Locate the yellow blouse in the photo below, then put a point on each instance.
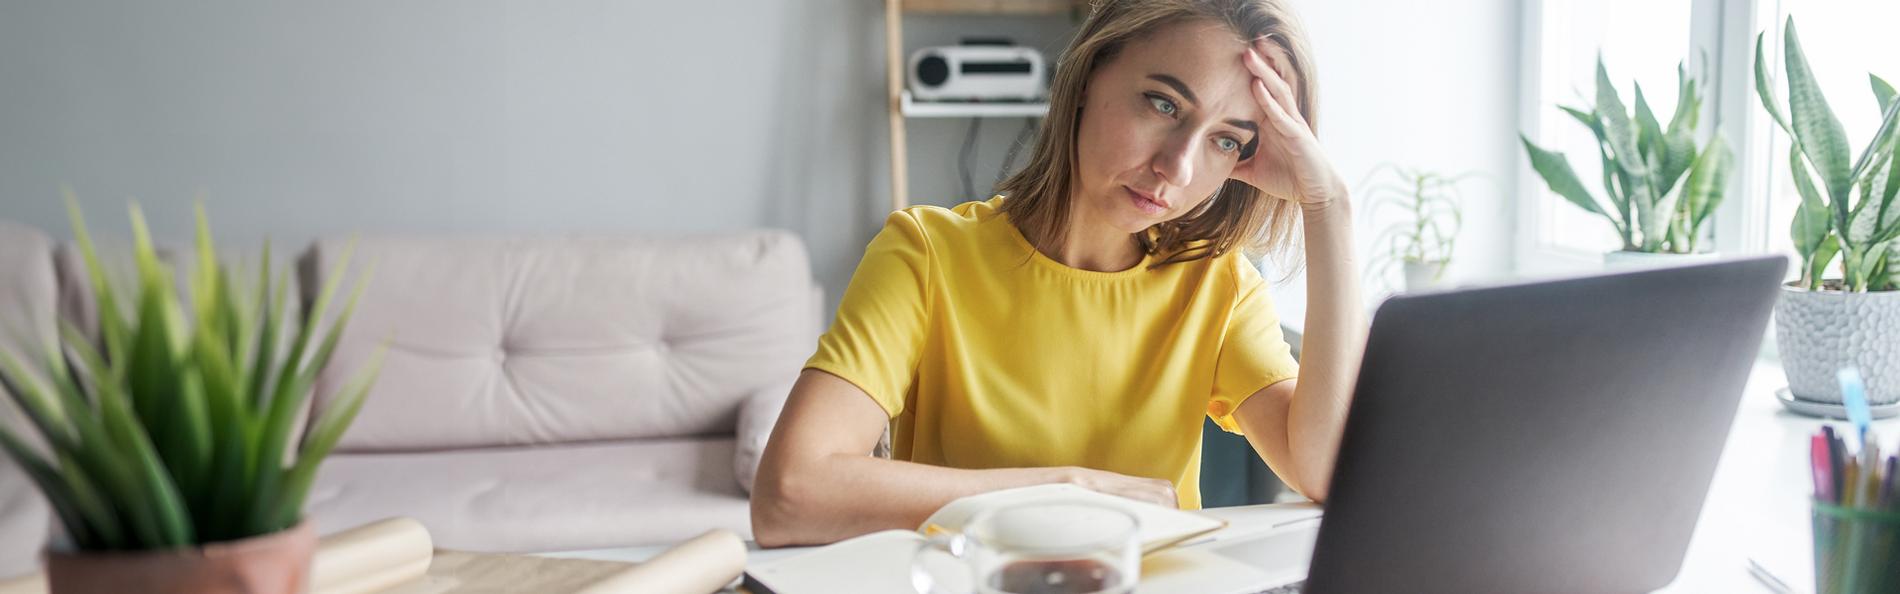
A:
(988, 354)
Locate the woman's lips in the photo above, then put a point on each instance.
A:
(1147, 203)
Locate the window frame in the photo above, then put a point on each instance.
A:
(1724, 30)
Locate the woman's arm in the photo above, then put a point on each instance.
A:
(1296, 425)
(818, 483)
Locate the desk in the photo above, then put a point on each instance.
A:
(1757, 506)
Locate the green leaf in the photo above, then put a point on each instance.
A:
(1654, 216)
(1853, 267)
(53, 485)
(1560, 177)
(1616, 126)
(90, 503)
(49, 416)
(105, 301)
(1589, 120)
(323, 437)
(1678, 142)
(1889, 211)
(1763, 86)
(1883, 92)
(1688, 113)
(293, 388)
(1882, 143)
(1649, 132)
(1823, 254)
(1821, 136)
(1811, 220)
(1707, 183)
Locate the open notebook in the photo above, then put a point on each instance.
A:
(880, 561)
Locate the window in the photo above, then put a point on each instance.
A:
(1639, 40)
(1844, 40)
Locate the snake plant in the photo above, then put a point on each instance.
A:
(1661, 187)
(174, 428)
(1852, 212)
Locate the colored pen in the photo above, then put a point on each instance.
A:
(1837, 470)
(1886, 488)
(1854, 398)
(1823, 478)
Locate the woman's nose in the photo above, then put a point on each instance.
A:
(1174, 162)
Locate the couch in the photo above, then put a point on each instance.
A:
(536, 394)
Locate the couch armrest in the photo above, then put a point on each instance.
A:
(757, 415)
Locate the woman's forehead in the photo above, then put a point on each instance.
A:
(1204, 55)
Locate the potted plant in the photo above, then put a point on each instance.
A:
(1421, 240)
(1848, 215)
(164, 447)
(1661, 186)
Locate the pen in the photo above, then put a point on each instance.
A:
(1868, 491)
(1854, 398)
(1835, 464)
(1817, 454)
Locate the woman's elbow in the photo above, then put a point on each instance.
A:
(1312, 483)
(776, 502)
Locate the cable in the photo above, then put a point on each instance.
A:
(963, 161)
(1009, 159)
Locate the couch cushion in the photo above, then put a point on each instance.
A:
(27, 305)
(529, 341)
(542, 498)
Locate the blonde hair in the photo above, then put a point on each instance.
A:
(1037, 198)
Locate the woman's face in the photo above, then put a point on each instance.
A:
(1163, 124)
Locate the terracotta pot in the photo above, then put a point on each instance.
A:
(272, 563)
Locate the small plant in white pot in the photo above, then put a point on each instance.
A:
(1426, 221)
(1848, 215)
(1661, 187)
(165, 446)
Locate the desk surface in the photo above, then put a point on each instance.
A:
(1757, 507)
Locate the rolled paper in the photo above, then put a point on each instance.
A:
(703, 565)
(371, 558)
(27, 584)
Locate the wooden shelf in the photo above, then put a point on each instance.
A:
(1001, 7)
(899, 105)
(959, 109)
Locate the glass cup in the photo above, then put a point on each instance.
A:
(1855, 549)
(1039, 548)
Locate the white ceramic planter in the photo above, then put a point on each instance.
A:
(1820, 332)
(1640, 260)
(1421, 276)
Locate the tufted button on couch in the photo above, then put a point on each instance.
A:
(536, 394)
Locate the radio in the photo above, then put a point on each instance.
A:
(977, 70)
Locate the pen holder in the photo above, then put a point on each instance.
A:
(1855, 549)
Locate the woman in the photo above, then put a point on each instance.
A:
(1076, 328)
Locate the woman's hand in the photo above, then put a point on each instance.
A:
(1156, 491)
(1289, 164)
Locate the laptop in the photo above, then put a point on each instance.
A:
(1553, 436)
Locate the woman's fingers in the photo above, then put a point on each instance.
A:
(1257, 63)
(1286, 126)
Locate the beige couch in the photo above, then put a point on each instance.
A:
(537, 393)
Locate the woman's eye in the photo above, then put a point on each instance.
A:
(1227, 145)
(1162, 104)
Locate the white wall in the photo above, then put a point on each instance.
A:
(1428, 85)
(303, 119)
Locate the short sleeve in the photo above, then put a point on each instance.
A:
(1254, 353)
(878, 335)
